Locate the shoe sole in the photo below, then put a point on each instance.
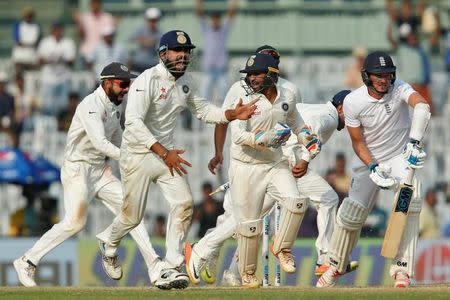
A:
(103, 264)
(176, 284)
(349, 269)
(17, 268)
(187, 256)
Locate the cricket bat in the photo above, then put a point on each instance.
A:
(221, 188)
(399, 215)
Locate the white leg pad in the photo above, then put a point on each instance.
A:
(350, 218)
(248, 239)
(291, 217)
(405, 259)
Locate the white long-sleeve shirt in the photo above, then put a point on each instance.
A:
(323, 120)
(95, 130)
(155, 101)
(266, 116)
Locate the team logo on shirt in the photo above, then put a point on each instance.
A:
(388, 108)
(285, 106)
(163, 93)
(185, 89)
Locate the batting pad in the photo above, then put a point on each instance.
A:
(350, 218)
(404, 261)
(292, 213)
(248, 239)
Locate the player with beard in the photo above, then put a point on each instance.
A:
(94, 134)
(148, 154)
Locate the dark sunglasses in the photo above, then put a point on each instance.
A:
(271, 52)
(123, 84)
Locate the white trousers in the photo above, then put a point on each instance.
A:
(365, 191)
(311, 185)
(82, 182)
(138, 172)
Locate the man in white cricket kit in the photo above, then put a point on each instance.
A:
(323, 120)
(258, 167)
(94, 134)
(148, 155)
(387, 143)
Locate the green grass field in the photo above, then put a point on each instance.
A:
(44, 293)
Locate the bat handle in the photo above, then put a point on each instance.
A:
(409, 178)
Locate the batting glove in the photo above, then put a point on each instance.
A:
(381, 175)
(414, 154)
(274, 138)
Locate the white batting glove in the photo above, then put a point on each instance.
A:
(274, 138)
(414, 154)
(305, 135)
(381, 175)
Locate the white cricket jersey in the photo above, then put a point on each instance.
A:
(95, 130)
(155, 101)
(385, 123)
(267, 115)
(323, 120)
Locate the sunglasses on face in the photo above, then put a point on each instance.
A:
(123, 84)
(270, 52)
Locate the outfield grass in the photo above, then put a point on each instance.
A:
(285, 293)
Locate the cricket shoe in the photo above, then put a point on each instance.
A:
(111, 265)
(320, 269)
(401, 280)
(229, 278)
(172, 278)
(286, 259)
(329, 278)
(208, 274)
(194, 263)
(25, 271)
(250, 281)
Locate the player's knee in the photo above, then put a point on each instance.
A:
(296, 205)
(250, 228)
(74, 225)
(352, 214)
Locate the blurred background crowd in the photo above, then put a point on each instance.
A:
(52, 51)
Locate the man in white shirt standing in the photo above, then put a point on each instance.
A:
(148, 155)
(56, 55)
(94, 134)
(387, 142)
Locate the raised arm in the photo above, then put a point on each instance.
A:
(232, 9)
(199, 9)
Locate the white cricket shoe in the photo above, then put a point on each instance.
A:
(172, 278)
(229, 278)
(25, 271)
(329, 278)
(250, 281)
(209, 272)
(286, 259)
(194, 263)
(111, 265)
(402, 280)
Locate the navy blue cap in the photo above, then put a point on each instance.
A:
(116, 70)
(267, 49)
(338, 99)
(261, 63)
(175, 39)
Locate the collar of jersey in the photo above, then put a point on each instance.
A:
(102, 95)
(163, 71)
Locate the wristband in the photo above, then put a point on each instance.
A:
(372, 166)
(306, 156)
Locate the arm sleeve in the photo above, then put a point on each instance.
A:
(137, 108)
(203, 110)
(294, 120)
(240, 135)
(405, 90)
(93, 125)
(351, 117)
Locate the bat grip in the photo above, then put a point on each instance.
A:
(409, 178)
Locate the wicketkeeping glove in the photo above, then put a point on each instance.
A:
(274, 138)
(414, 154)
(381, 175)
(314, 146)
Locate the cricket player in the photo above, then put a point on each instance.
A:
(94, 134)
(387, 142)
(323, 120)
(257, 168)
(156, 98)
